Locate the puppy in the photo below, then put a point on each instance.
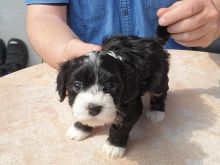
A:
(106, 87)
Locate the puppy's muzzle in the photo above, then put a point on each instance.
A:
(94, 109)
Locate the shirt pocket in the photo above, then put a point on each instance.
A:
(87, 11)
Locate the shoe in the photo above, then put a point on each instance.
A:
(16, 56)
(2, 55)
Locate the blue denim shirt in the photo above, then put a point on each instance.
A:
(92, 20)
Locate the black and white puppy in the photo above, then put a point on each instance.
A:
(106, 87)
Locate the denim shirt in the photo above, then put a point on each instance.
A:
(92, 20)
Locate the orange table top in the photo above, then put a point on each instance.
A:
(33, 122)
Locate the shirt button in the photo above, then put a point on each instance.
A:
(125, 12)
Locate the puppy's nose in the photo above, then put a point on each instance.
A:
(94, 109)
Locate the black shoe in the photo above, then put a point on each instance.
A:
(2, 55)
(16, 56)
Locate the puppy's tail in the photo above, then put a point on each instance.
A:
(162, 34)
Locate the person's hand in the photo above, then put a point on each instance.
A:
(192, 23)
(76, 48)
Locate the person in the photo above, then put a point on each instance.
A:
(63, 29)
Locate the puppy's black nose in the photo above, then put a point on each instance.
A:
(94, 109)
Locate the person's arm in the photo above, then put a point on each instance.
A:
(192, 23)
(51, 37)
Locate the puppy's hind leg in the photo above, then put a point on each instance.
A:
(156, 113)
(78, 131)
(158, 94)
(157, 101)
(157, 107)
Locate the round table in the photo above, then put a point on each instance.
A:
(33, 122)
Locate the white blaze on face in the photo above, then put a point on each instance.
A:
(94, 95)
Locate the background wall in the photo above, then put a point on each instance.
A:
(12, 25)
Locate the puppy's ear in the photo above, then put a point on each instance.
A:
(61, 85)
(62, 79)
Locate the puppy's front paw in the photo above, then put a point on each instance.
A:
(75, 133)
(113, 151)
(155, 116)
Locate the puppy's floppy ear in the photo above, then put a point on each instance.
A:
(62, 79)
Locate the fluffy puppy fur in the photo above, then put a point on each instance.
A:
(106, 87)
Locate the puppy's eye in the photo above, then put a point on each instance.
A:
(77, 85)
(111, 87)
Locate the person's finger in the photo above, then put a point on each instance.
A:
(161, 11)
(201, 42)
(84, 48)
(180, 12)
(77, 48)
(192, 35)
(93, 47)
(188, 24)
